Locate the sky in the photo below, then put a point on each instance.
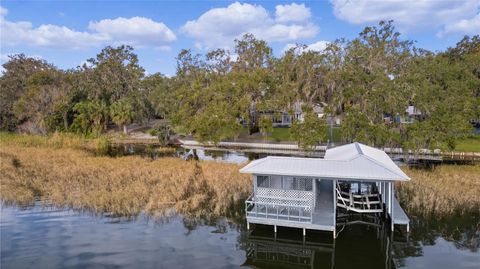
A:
(67, 33)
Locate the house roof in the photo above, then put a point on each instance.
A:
(349, 162)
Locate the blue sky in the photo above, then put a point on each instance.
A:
(67, 33)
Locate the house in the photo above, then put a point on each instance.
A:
(412, 114)
(317, 109)
(309, 193)
(285, 118)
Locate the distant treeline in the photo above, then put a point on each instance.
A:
(213, 96)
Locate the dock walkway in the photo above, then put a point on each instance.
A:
(399, 216)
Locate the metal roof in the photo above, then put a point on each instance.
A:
(353, 161)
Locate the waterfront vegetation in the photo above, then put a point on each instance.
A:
(366, 83)
(445, 190)
(124, 186)
(61, 169)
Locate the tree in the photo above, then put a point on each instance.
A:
(252, 74)
(374, 65)
(122, 113)
(309, 132)
(160, 94)
(13, 85)
(113, 74)
(266, 125)
(445, 90)
(83, 121)
(216, 123)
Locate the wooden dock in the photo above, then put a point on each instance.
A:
(408, 156)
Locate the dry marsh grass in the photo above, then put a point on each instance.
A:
(56, 140)
(445, 190)
(58, 169)
(123, 186)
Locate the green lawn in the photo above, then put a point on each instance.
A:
(283, 134)
(280, 134)
(469, 144)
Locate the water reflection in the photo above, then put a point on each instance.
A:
(358, 246)
(49, 237)
(288, 249)
(229, 156)
(59, 238)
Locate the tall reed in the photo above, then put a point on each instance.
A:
(122, 186)
(444, 190)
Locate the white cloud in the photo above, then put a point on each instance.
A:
(292, 12)
(468, 26)
(318, 46)
(218, 27)
(3, 12)
(135, 31)
(408, 14)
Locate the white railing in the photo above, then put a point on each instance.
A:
(278, 211)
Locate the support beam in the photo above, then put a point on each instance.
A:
(392, 189)
(304, 232)
(275, 228)
(248, 225)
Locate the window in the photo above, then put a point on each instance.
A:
(262, 182)
(285, 182)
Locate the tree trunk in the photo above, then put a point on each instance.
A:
(65, 121)
(125, 129)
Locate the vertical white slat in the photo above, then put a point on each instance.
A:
(390, 200)
(334, 185)
(254, 179)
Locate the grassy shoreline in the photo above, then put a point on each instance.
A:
(123, 186)
(60, 170)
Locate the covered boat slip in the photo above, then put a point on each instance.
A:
(306, 192)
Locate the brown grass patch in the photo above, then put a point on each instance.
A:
(122, 186)
(445, 190)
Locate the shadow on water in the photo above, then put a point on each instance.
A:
(358, 245)
(363, 246)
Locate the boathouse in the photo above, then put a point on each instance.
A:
(310, 193)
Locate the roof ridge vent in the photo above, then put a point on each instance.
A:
(359, 149)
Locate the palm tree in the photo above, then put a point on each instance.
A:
(122, 113)
(99, 115)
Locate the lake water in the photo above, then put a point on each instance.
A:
(229, 156)
(48, 237)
